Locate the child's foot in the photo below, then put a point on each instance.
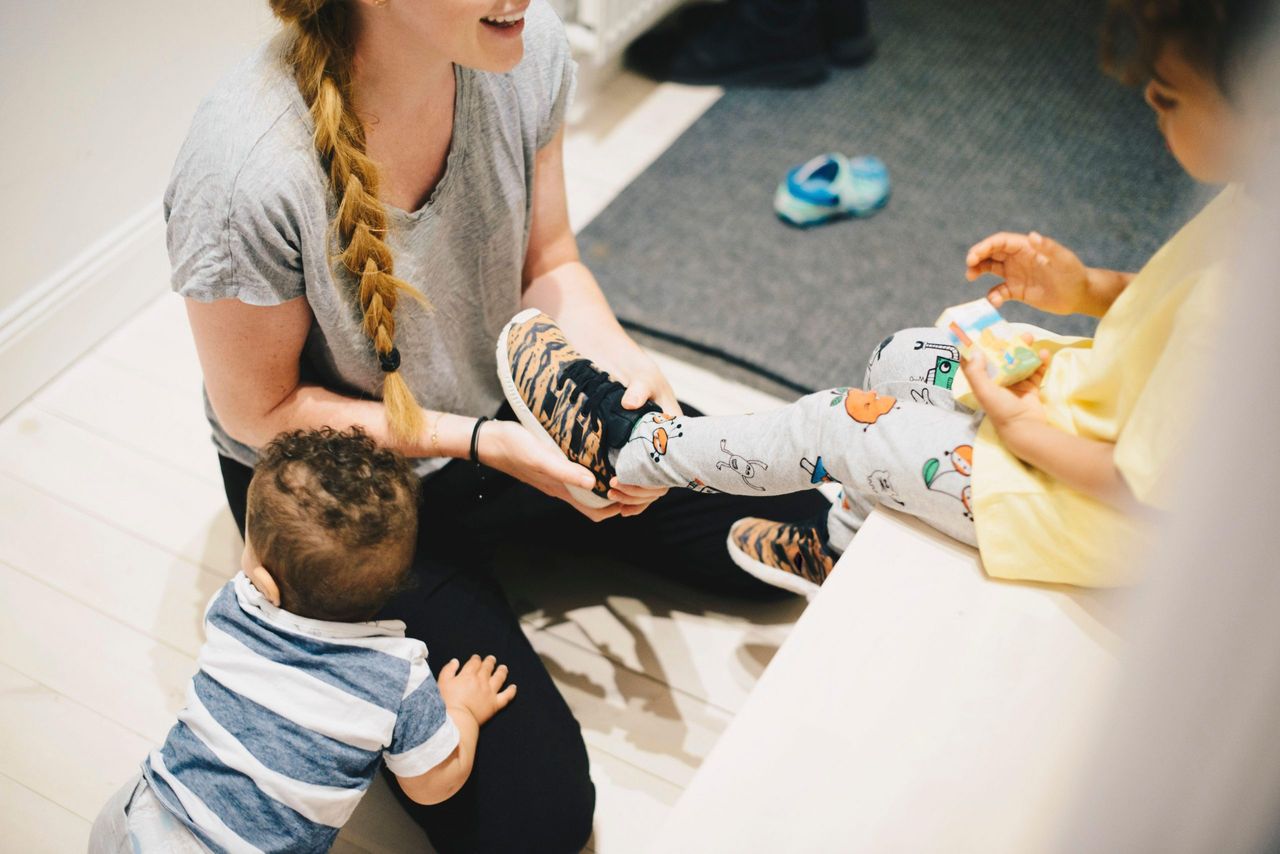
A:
(558, 394)
(795, 557)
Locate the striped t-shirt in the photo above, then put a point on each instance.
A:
(287, 720)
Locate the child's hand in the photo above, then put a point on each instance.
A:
(476, 686)
(1036, 270)
(1013, 408)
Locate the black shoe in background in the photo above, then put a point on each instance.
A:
(847, 31)
(738, 43)
(778, 43)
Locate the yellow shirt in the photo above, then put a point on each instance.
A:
(1136, 384)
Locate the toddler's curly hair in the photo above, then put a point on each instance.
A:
(334, 519)
(1213, 35)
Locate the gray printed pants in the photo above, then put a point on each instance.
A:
(901, 441)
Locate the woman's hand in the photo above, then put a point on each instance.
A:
(1014, 409)
(645, 381)
(511, 449)
(633, 500)
(1036, 270)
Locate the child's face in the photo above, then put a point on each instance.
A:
(1201, 127)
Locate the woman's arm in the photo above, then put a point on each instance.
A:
(251, 357)
(557, 282)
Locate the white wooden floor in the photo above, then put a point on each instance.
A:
(114, 532)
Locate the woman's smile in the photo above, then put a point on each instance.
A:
(509, 23)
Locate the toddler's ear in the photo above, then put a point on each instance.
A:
(266, 585)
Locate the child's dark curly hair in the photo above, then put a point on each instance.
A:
(1212, 35)
(334, 519)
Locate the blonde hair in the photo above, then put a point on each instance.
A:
(319, 52)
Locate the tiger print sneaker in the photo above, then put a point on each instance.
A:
(561, 396)
(795, 557)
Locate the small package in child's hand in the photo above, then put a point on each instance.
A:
(978, 324)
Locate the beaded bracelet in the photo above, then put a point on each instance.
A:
(435, 437)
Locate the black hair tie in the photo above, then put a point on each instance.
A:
(475, 438)
(390, 360)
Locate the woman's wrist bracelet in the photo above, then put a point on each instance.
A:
(435, 435)
(475, 438)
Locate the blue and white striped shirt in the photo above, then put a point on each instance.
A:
(287, 720)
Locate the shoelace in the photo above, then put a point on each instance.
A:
(590, 384)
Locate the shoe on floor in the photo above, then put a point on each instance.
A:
(776, 43)
(562, 397)
(795, 557)
(847, 32)
(831, 187)
(737, 43)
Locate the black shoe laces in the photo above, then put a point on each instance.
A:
(591, 385)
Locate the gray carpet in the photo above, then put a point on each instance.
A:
(990, 116)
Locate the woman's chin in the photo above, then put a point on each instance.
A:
(491, 62)
(500, 49)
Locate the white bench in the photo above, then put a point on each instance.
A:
(917, 706)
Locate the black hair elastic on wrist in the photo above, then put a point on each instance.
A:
(390, 360)
(475, 437)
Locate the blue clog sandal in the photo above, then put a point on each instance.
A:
(831, 187)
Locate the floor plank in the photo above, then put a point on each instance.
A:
(631, 805)
(137, 412)
(62, 750)
(122, 674)
(105, 568)
(170, 508)
(629, 715)
(705, 646)
(36, 825)
(629, 124)
(157, 344)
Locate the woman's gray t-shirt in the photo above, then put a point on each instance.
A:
(249, 210)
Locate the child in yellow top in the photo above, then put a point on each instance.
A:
(1049, 477)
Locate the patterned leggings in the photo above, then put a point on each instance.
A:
(903, 442)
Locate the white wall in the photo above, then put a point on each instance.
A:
(96, 99)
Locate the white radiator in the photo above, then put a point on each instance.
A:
(600, 30)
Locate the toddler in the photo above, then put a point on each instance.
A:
(299, 699)
(1050, 477)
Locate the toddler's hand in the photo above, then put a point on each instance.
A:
(1009, 409)
(476, 686)
(1036, 270)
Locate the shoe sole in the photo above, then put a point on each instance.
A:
(526, 417)
(774, 577)
(837, 216)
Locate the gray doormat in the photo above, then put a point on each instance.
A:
(990, 116)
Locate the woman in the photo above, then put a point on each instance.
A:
(356, 212)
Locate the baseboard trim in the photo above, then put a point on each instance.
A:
(66, 315)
